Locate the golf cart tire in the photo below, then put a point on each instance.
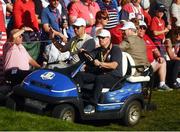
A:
(64, 112)
(15, 104)
(132, 113)
(11, 104)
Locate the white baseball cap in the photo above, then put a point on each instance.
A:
(142, 23)
(79, 22)
(128, 25)
(104, 33)
(145, 4)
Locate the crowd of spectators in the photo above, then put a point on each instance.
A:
(54, 30)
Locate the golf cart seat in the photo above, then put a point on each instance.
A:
(124, 71)
(130, 68)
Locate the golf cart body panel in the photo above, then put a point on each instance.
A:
(48, 82)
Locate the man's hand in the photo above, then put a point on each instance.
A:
(27, 29)
(51, 33)
(160, 59)
(64, 38)
(97, 62)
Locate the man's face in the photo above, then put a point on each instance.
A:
(54, 3)
(126, 33)
(136, 2)
(104, 41)
(141, 31)
(79, 30)
(18, 40)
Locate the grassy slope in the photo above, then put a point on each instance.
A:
(166, 117)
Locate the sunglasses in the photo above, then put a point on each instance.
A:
(143, 27)
(104, 18)
(76, 27)
(55, 0)
(100, 37)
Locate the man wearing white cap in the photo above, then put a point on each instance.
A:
(81, 40)
(134, 45)
(106, 70)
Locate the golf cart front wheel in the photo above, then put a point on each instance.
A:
(64, 112)
(132, 113)
(16, 103)
(11, 104)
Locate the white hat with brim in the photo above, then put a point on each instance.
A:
(79, 22)
(142, 23)
(128, 25)
(104, 33)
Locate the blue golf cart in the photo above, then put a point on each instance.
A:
(54, 90)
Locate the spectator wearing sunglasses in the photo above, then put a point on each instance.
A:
(135, 46)
(106, 70)
(158, 63)
(17, 60)
(101, 20)
(81, 41)
(111, 7)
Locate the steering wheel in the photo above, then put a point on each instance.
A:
(87, 57)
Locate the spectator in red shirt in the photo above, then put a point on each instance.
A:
(85, 9)
(132, 10)
(24, 14)
(158, 63)
(158, 28)
(3, 38)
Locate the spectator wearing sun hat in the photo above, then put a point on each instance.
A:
(134, 45)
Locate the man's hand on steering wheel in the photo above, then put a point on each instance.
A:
(97, 62)
(86, 56)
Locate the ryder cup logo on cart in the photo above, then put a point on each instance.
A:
(47, 76)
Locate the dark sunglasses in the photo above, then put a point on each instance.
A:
(143, 27)
(76, 27)
(55, 0)
(104, 18)
(100, 37)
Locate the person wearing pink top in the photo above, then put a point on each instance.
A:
(85, 9)
(16, 59)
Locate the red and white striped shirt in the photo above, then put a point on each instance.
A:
(3, 38)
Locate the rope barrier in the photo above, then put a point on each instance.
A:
(43, 41)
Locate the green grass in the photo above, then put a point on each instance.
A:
(165, 118)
